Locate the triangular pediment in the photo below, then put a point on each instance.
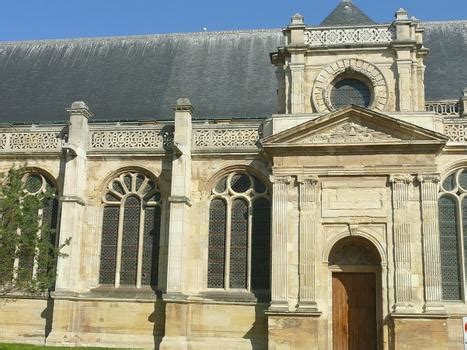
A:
(354, 126)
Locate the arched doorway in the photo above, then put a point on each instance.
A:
(355, 265)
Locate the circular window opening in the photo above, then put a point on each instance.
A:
(347, 92)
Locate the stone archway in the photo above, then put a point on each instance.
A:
(356, 294)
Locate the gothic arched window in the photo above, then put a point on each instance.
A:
(27, 260)
(130, 231)
(239, 234)
(452, 206)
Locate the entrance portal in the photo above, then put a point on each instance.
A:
(354, 263)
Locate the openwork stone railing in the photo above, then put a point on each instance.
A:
(446, 107)
(455, 130)
(131, 138)
(316, 37)
(29, 140)
(218, 138)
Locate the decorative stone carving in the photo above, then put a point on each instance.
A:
(330, 37)
(31, 141)
(455, 131)
(238, 137)
(323, 83)
(350, 132)
(157, 138)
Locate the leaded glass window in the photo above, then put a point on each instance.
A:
(130, 232)
(452, 207)
(239, 234)
(350, 91)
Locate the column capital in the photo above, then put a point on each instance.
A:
(401, 178)
(307, 179)
(430, 178)
(280, 179)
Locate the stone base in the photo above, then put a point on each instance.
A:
(183, 343)
(103, 340)
(416, 333)
(296, 331)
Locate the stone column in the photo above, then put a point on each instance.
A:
(279, 280)
(296, 48)
(180, 203)
(431, 244)
(73, 198)
(307, 238)
(402, 242)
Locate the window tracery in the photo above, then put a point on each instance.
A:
(452, 206)
(239, 234)
(130, 231)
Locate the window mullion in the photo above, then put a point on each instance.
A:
(227, 244)
(139, 268)
(249, 247)
(36, 249)
(118, 265)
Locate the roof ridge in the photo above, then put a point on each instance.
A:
(143, 36)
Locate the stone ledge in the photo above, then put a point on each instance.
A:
(425, 315)
(297, 313)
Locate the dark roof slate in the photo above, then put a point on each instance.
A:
(225, 74)
(446, 65)
(346, 14)
(140, 77)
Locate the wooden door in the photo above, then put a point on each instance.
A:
(354, 311)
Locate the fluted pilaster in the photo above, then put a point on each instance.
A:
(431, 244)
(279, 242)
(307, 238)
(402, 242)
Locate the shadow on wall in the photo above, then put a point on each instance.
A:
(158, 319)
(47, 315)
(258, 333)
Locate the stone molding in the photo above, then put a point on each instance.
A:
(321, 93)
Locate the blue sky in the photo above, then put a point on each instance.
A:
(43, 19)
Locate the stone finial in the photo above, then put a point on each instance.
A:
(79, 108)
(183, 104)
(402, 14)
(297, 19)
(347, 1)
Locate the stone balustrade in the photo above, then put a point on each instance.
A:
(31, 139)
(445, 107)
(316, 37)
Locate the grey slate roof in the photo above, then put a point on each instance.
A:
(140, 77)
(346, 14)
(446, 65)
(225, 74)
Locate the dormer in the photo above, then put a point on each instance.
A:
(350, 59)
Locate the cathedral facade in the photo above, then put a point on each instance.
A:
(272, 189)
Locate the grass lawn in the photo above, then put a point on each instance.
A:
(37, 347)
